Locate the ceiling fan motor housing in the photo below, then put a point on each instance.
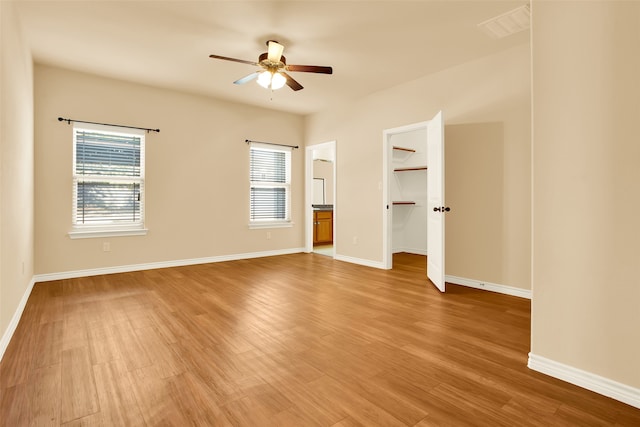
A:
(264, 61)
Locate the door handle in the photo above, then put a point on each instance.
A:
(436, 209)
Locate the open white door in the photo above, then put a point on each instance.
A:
(435, 205)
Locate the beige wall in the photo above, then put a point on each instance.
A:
(494, 89)
(324, 169)
(16, 166)
(586, 187)
(474, 177)
(197, 191)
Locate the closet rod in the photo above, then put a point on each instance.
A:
(60, 119)
(248, 141)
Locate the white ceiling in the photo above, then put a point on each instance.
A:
(371, 45)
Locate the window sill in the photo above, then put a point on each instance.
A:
(106, 232)
(270, 224)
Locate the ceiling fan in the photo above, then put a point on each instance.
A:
(274, 66)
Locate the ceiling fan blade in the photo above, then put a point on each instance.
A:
(291, 82)
(275, 51)
(310, 69)
(242, 61)
(246, 79)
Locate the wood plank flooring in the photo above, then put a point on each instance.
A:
(295, 340)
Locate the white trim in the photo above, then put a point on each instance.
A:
(308, 199)
(162, 264)
(270, 224)
(487, 286)
(13, 324)
(360, 261)
(105, 232)
(596, 383)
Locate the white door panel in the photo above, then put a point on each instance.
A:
(435, 204)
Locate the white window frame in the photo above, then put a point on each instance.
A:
(80, 231)
(272, 223)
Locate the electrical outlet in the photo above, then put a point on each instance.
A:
(268, 235)
(106, 246)
(355, 240)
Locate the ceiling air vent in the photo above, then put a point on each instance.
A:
(508, 23)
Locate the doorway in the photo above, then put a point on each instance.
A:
(320, 168)
(406, 167)
(413, 195)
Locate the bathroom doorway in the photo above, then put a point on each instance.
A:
(320, 198)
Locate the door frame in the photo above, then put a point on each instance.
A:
(387, 173)
(308, 198)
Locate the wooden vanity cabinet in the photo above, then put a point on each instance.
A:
(322, 227)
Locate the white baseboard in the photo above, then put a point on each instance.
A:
(487, 286)
(596, 383)
(162, 264)
(360, 261)
(8, 333)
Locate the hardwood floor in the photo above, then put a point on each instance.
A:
(295, 340)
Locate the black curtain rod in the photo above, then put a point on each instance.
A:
(248, 141)
(60, 119)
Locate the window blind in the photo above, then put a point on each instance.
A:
(107, 154)
(108, 178)
(270, 173)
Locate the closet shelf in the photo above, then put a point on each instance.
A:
(403, 203)
(410, 150)
(415, 168)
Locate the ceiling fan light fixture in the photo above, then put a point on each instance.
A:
(274, 69)
(264, 79)
(271, 80)
(277, 81)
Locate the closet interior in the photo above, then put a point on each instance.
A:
(409, 191)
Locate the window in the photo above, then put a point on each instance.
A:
(270, 194)
(108, 181)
